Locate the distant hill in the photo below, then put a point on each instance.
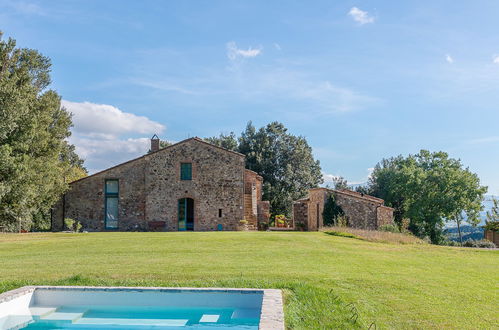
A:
(468, 232)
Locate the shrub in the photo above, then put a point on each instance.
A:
(389, 228)
(484, 244)
(73, 225)
(69, 223)
(450, 243)
(342, 221)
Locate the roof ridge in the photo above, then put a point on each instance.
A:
(153, 152)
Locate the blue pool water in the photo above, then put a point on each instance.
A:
(123, 308)
(133, 317)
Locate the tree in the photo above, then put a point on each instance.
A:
(76, 169)
(493, 213)
(429, 189)
(331, 211)
(340, 183)
(33, 132)
(283, 160)
(225, 141)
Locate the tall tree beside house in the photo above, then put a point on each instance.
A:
(34, 155)
(283, 160)
(340, 183)
(429, 189)
(227, 141)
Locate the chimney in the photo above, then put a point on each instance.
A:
(154, 143)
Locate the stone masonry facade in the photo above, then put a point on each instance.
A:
(362, 211)
(150, 189)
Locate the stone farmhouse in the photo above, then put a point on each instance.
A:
(362, 211)
(190, 185)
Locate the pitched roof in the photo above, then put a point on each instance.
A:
(353, 194)
(167, 147)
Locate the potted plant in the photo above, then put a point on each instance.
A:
(280, 220)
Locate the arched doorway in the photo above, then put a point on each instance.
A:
(185, 214)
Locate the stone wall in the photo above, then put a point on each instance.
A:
(359, 213)
(362, 211)
(85, 199)
(217, 184)
(263, 212)
(316, 201)
(252, 196)
(300, 215)
(385, 216)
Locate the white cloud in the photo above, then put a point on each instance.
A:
(101, 134)
(106, 120)
(495, 59)
(360, 16)
(234, 53)
(329, 178)
(277, 46)
(449, 59)
(120, 149)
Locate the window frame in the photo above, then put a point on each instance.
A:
(183, 173)
(111, 195)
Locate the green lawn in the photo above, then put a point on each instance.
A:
(395, 286)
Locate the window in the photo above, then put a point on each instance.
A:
(111, 203)
(219, 213)
(186, 171)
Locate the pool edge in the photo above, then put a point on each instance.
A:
(271, 316)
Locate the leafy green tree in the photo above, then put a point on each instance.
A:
(340, 183)
(331, 211)
(283, 160)
(387, 183)
(33, 132)
(493, 213)
(429, 189)
(228, 141)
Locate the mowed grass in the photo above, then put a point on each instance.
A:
(329, 282)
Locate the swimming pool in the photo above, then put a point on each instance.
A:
(52, 307)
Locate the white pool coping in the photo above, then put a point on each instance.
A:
(271, 316)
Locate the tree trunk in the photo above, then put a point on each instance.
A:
(459, 231)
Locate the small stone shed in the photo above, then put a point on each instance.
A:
(362, 211)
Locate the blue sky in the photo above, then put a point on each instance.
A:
(361, 80)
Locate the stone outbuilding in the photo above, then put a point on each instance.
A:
(190, 185)
(362, 211)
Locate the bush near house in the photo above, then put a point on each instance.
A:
(483, 243)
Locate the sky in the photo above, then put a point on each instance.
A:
(361, 80)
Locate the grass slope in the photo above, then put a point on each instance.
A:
(395, 286)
